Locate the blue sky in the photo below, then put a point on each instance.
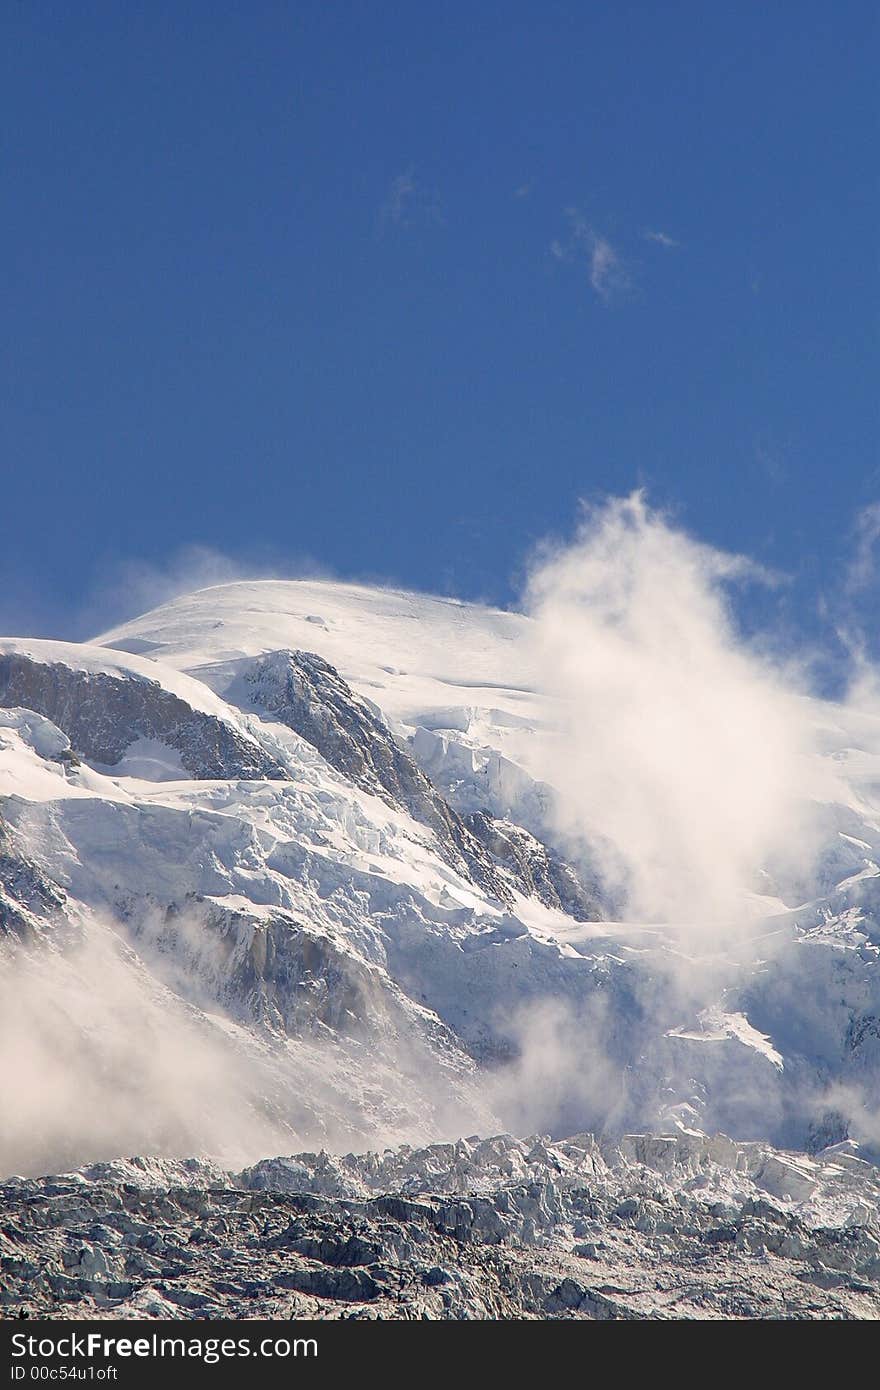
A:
(387, 288)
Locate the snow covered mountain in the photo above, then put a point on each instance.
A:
(281, 869)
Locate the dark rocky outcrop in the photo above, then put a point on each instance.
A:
(305, 693)
(538, 870)
(103, 715)
(28, 900)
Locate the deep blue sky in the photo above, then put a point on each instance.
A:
(313, 280)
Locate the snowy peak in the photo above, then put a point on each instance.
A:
(408, 653)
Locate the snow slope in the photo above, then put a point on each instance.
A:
(411, 653)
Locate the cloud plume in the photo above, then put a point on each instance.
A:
(684, 762)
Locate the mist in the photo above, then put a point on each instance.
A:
(562, 1079)
(685, 759)
(114, 1043)
(99, 1062)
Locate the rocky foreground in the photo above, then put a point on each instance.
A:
(654, 1227)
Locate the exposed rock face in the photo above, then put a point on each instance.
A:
(499, 1228)
(28, 900)
(305, 693)
(277, 972)
(542, 873)
(103, 715)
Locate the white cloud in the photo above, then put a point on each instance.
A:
(606, 271)
(662, 239)
(683, 766)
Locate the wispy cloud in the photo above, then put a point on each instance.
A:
(863, 565)
(523, 191)
(409, 202)
(400, 195)
(771, 458)
(663, 239)
(847, 608)
(606, 271)
(124, 587)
